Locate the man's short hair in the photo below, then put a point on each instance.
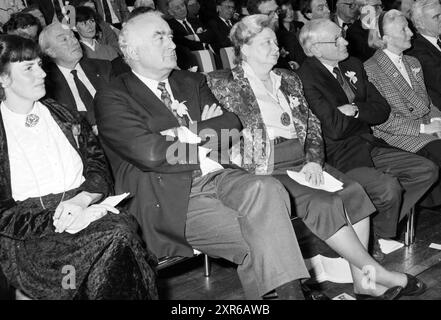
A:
(310, 32)
(253, 6)
(127, 43)
(418, 9)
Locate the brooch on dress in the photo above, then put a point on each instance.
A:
(31, 120)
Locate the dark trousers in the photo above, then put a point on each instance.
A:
(432, 151)
(246, 219)
(395, 184)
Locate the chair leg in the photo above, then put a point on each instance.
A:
(409, 236)
(207, 265)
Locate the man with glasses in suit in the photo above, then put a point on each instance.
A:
(346, 13)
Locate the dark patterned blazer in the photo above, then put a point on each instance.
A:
(348, 140)
(234, 92)
(410, 106)
(430, 59)
(96, 171)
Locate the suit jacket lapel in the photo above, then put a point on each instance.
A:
(91, 73)
(60, 82)
(249, 100)
(327, 79)
(398, 80)
(428, 45)
(146, 98)
(181, 92)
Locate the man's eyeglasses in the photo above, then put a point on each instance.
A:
(272, 13)
(342, 35)
(352, 5)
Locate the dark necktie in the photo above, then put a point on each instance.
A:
(345, 25)
(107, 14)
(229, 24)
(438, 42)
(166, 98)
(85, 96)
(344, 84)
(187, 27)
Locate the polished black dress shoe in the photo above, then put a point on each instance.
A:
(414, 286)
(390, 294)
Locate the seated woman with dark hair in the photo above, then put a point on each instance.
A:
(281, 133)
(24, 25)
(56, 241)
(88, 31)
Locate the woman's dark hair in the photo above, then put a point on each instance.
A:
(85, 14)
(15, 49)
(20, 21)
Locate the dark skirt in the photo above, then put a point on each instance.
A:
(324, 213)
(107, 260)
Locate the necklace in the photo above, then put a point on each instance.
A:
(32, 169)
(285, 119)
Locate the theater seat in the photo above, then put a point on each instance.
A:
(227, 57)
(205, 60)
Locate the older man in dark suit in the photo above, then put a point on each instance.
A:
(221, 26)
(187, 32)
(347, 104)
(184, 200)
(71, 79)
(426, 45)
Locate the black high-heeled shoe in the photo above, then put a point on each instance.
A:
(390, 294)
(414, 286)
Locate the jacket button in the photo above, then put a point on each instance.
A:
(411, 109)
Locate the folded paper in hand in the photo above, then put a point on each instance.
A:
(331, 184)
(88, 219)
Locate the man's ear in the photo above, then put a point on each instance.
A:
(50, 52)
(315, 51)
(308, 15)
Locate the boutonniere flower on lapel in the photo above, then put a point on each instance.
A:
(181, 109)
(293, 102)
(76, 131)
(415, 70)
(351, 76)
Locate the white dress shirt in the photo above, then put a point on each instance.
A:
(191, 28)
(228, 23)
(153, 85)
(271, 104)
(50, 163)
(73, 88)
(397, 60)
(432, 40)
